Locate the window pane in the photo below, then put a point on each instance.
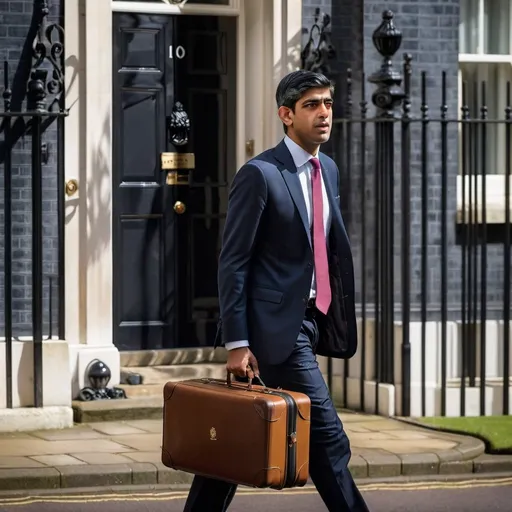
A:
(495, 77)
(497, 27)
(468, 26)
(209, 2)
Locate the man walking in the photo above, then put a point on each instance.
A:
(286, 284)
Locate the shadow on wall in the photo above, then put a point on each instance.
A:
(293, 58)
(98, 196)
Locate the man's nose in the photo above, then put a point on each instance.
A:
(323, 111)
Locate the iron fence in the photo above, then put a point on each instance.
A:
(32, 102)
(431, 240)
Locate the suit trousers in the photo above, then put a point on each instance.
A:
(329, 445)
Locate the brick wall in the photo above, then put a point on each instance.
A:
(430, 35)
(15, 17)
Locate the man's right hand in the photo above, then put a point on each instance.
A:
(242, 363)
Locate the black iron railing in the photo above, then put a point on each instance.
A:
(414, 187)
(32, 102)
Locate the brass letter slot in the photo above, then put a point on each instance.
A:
(171, 161)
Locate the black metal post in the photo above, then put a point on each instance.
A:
(506, 257)
(36, 95)
(8, 238)
(406, 239)
(444, 239)
(348, 152)
(424, 236)
(483, 259)
(464, 291)
(472, 253)
(50, 307)
(387, 97)
(61, 206)
(364, 109)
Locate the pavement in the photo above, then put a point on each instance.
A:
(127, 453)
(476, 495)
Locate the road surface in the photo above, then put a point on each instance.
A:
(476, 495)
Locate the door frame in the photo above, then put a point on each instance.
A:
(88, 134)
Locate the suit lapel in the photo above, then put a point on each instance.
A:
(291, 178)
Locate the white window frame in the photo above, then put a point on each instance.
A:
(163, 7)
(495, 183)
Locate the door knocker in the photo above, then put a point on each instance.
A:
(178, 125)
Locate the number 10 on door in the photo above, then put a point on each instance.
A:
(179, 52)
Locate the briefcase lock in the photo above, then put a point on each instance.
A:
(292, 438)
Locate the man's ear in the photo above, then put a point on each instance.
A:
(286, 115)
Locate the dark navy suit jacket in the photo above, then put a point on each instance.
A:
(266, 262)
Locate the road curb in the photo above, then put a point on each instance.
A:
(398, 483)
(108, 476)
(489, 463)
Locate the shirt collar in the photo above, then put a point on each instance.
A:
(300, 156)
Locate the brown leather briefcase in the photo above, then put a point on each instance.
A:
(240, 433)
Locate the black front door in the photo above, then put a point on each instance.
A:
(174, 92)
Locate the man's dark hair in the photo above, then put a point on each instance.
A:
(295, 84)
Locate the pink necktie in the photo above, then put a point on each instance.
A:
(323, 287)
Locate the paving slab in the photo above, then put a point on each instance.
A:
(112, 453)
(59, 460)
(20, 462)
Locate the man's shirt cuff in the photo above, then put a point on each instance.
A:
(230, 345)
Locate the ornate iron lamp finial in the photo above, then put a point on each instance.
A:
(315, 58)
(387, 39)
(48, 48)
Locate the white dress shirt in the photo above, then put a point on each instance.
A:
(301, 159)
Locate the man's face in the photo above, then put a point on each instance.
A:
(312, 119)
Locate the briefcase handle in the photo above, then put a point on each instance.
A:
(249, 385)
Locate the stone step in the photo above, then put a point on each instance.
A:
(149, 407)
(144, 390)
(161, 374)
(173, 356)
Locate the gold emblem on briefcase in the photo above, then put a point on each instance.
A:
(213, 434)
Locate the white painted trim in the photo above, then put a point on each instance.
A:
(55, 354)
(484, 58)
(163, 8)
(494, 198)
(273, 40)
(30, 419)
